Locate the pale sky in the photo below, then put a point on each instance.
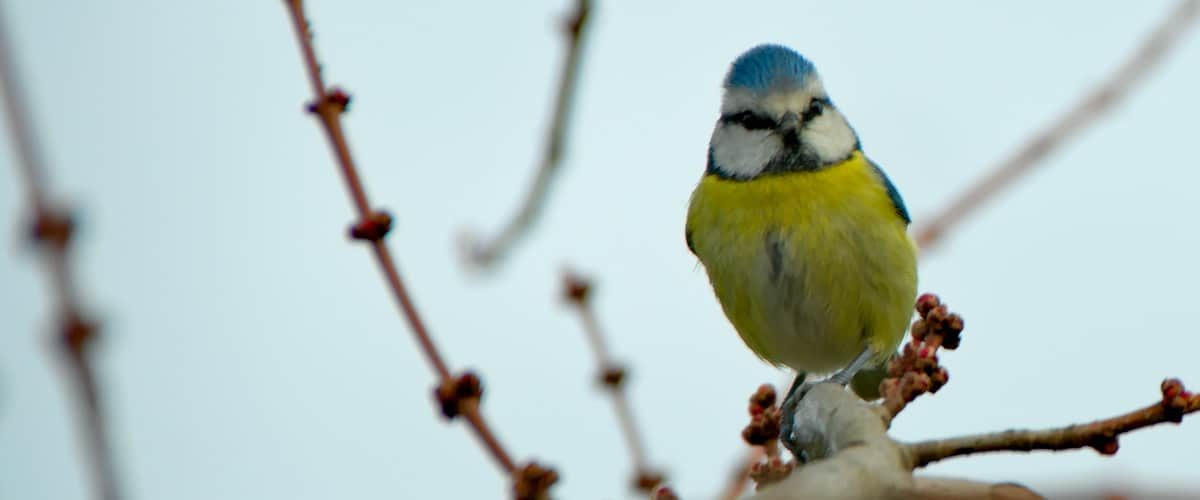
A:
(251, 351)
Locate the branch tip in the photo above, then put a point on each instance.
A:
(576, 288)
(533, 482)
(481, 254)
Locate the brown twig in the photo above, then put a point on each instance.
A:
(1084, 113)
(485, 254)
(458, 395)
(1100, 435)
(51, 231)
(577, 292)
(739, 478)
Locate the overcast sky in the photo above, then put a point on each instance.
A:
(251, 351)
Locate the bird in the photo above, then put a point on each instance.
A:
(803, 238)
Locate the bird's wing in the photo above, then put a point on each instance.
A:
(897, 201)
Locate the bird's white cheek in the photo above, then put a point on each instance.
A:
(743, 153)
(830, 137)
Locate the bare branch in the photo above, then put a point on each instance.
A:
(52, 229)
(739, 478)
(486, 254)
(577, 292)
(1084, 113)
(1100, 435)
(458, 395)
(851, 456)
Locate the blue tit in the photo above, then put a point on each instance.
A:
(803, 238)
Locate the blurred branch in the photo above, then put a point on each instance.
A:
(1084, 113)
(458, 395)
(51, 231)
(739, 478)
(577, 291)
(485, 254)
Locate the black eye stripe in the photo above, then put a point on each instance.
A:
(750, 120)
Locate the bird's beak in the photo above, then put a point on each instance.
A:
(789, 129)
(790, 122)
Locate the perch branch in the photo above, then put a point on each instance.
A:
(51, 231)
(611, 376)
(1100, 435)
(1084, 113)
(485, 254)
(457, 395)
(853, 457)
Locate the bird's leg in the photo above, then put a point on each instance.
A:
(787, 418)
(845, 375)
(787, 423)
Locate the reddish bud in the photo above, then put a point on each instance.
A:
(76, 333)
(1171, 387)
(937, 316)
(53, 229)
(576, 288)
(938, 379)
(373, 228)
(1105, 445)
(335, 100)
(927, 302)
(453, 393)
(764, 396)
(664, 493)
(612, 377)
(647, 481)
(533, 482)
(919, 330)
(763, 428)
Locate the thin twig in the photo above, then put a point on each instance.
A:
(577, 291)
(1086, 112)
(739, 478)
(51, 230)
(458, 395)
(485, 254)
(1100, 435)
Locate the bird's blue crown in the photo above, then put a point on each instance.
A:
(767, 67)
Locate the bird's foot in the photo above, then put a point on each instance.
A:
(800, 388)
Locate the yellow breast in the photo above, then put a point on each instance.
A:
(810, 267)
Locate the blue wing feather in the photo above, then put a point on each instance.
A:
(897, 201)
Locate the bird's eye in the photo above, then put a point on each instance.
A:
(750, 120)
(815, 108)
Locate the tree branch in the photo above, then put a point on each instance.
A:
(485, 254)
(457, 395)
(52, 230)
(1100, 435)
(611, 376)
(851, 455)
(1022, 161)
